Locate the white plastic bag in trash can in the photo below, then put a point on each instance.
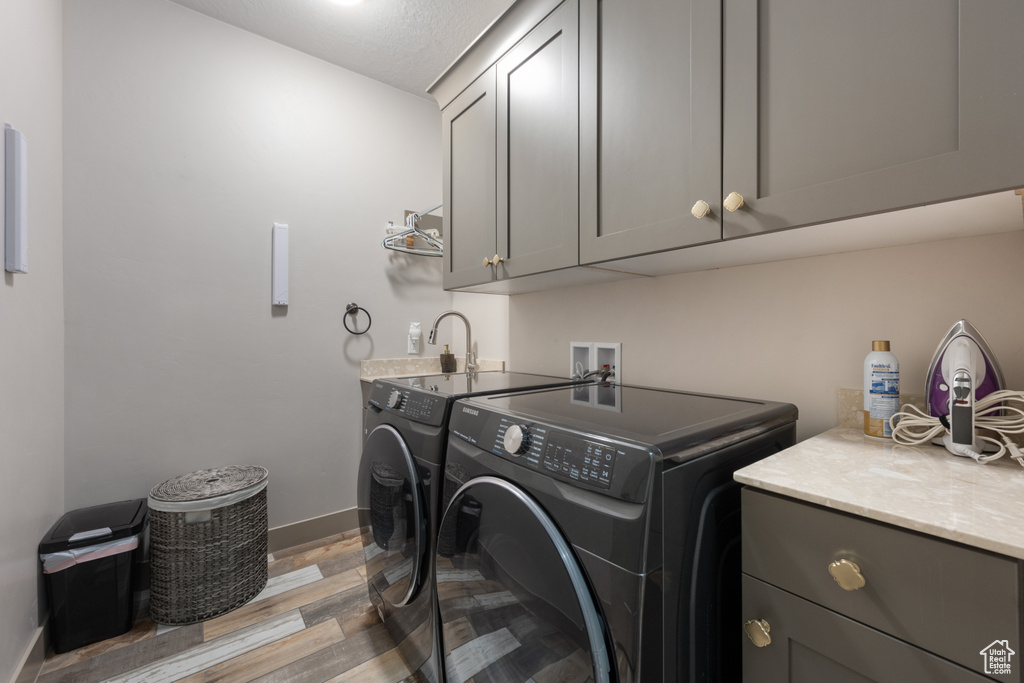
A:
(55, 562)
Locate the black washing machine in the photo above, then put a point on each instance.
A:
(405, 426)
(592, 533)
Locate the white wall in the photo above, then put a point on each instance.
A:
(185, 140)
(31, 323)
(794, 331)
(488, 317)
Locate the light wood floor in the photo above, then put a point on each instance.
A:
(313, 623)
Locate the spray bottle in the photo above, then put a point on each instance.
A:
(881, 390)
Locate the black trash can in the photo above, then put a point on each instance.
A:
(89, 559)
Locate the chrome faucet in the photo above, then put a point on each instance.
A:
(432, 337)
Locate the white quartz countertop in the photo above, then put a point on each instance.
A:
(923, 488)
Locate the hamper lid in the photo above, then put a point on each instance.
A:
(208, 489)
(96, 524)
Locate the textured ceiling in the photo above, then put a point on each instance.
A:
(404, 43)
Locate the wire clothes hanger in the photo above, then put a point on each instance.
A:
(399, 241)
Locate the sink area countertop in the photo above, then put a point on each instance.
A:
(370, 370)
(923, 488)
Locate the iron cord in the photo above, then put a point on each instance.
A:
(1001, 412)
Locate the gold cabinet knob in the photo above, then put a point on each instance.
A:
(757, 631)
(733, 201)
(496, 260)
(700, 209)
(487, 262)
(847, 575)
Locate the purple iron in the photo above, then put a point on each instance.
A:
(962, 371)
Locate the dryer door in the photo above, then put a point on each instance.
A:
(515, 602)
(395, 548)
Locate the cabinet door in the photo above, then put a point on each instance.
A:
(810, 644)
(650, 119)
(538, 149)
(835, 109)
(468, 149)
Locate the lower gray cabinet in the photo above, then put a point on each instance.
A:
(810, 644)
(839, 594)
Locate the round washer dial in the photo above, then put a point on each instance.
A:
(517, 439)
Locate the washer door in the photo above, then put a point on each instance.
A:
(395, 549)
(515, 603)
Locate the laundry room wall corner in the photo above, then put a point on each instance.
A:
(178, 163)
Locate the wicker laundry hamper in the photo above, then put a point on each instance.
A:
(208, 543)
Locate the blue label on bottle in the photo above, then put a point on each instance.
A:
(884, 380)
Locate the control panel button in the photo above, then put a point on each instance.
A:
(517, 439)
(580, 460)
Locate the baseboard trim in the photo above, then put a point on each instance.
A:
(31, 664)
(313, 529)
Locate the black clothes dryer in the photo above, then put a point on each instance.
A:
(405, 426)
(592, 533)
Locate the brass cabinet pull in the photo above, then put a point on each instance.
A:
(733, 201)
(487, 262)
(496, 260)
(700, 209)
(847, 575)
(757, 631)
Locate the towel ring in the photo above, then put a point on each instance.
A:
(353, 310)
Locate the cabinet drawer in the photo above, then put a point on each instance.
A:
(941, 596)
(812, 644)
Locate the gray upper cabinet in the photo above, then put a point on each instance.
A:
(587, 132)
(538, 148)
(511, 159)
(650, 92)
(468, 141)
(834, 109)
(818, 111)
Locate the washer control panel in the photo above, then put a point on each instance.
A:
(614, 468)
(412, 404)
(581, 460)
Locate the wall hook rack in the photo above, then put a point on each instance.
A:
(405, 240)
